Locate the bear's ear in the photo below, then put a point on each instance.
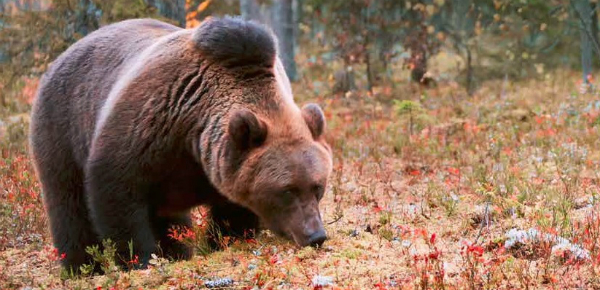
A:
(314, 118)
(246, 130)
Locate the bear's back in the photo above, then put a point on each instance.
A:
(75, 88)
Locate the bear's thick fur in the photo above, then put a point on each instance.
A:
(140, 121)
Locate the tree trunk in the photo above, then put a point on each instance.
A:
(297, 19)
(368, 65)
(585, 12)
(283, 26)
(469, 81)
(3, 56)
(86, 20)
(172, 9)
(249, 10)
(344, 80)
(594, 5)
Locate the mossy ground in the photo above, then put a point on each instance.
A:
(427, 210)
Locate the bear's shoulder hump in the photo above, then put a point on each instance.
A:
(236, 41)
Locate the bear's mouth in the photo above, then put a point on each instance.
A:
(302, 236)
(302, 229)
(315, 239)
(295, 239)
(277, 230)
(283, 233)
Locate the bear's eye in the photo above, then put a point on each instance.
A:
(319, 191)
(287, 197)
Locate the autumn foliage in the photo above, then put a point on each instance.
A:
(491, 184)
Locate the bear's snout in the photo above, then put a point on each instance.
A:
(313, 233)
(318, 238)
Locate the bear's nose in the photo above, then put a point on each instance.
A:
(317, 239)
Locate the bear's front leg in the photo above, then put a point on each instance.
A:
(117, 199)
(232, 220)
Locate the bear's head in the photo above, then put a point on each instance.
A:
(273, 158)
(283, 171)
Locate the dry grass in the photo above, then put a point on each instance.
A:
(429, 210)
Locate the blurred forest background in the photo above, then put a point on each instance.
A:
(342, 45)
(466, 140)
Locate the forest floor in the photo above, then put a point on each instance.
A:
(498, 190)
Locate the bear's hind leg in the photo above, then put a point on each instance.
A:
(229, 219)
(169, 246)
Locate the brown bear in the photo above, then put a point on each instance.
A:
(140, 121)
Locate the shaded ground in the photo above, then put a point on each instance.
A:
(427, 210)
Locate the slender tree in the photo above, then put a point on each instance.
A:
(281, 18)
(594, 6)
(249, 10)
(172, 9)
(283, 25)
(584, 13)
(86, 19)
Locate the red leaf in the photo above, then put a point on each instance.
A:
(377, 208)
(434, 255)
(415, 172)
(454, 170)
